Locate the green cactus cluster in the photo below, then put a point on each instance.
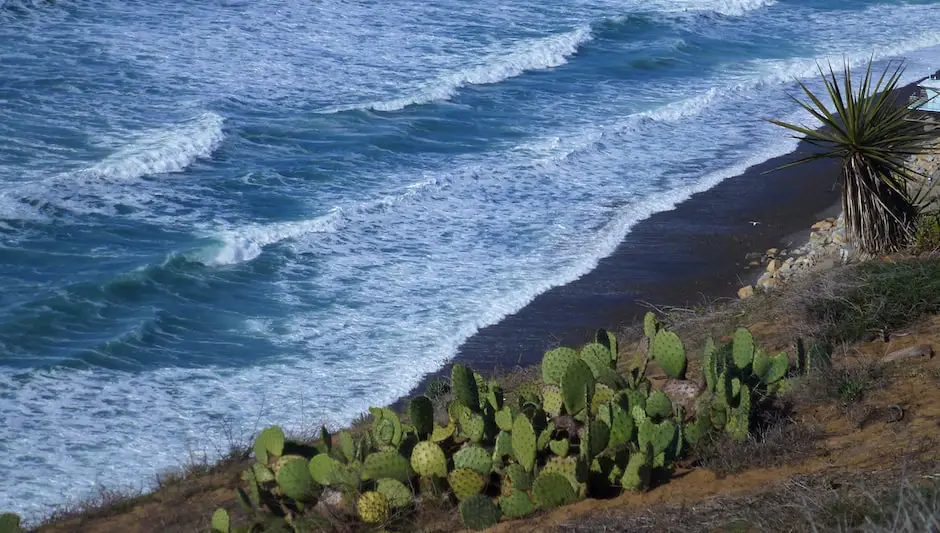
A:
(584, 430)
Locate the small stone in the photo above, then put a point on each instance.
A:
(753, 256)
(746, 292)
(767, 283)
(772, 252)
(754, 263)
(774, 265)
(823, 225)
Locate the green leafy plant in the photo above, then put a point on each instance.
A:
(866, 128)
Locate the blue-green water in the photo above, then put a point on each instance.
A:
(216, 215)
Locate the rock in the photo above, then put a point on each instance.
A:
(754, 263)
(768, 283)
(683, 392)
(746, 292)
(822, 225)
(772, 252)
(753, 256)
(774, 265)
(921, 350)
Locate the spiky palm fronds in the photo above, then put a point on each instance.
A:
(867, 129)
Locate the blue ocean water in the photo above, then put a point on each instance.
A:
(222, 214)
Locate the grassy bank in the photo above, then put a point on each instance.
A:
(853, 446)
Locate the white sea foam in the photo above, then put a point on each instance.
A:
(162, 151)
(116, 179)
(517, 58)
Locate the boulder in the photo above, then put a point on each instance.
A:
(746, 291)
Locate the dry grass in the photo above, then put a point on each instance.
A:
(779, 444)
(875, 502)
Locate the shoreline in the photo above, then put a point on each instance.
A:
(696, 251)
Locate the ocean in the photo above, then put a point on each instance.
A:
(225, 214)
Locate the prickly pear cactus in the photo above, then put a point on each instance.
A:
(397, 494)
(650, 326)
(779, 366)
(387, 464)
(669, 354)
(555, 364)
(552, 401)
(269, 442)
(373, 508)
(658, 405)
(742, 352)
(294, 480)
(221, 523)
(578, 379)
(421, 412)
(428, 459)
(442, 433)
(475, 458)
(464, 386)
(517, 504)
(622, 426)
(552, 490)
(596, 354)
(560, 447)
(465, 482)
(710, 365)
(479, 512)
(504, 418)
(609, 341)
(503, 446)
(637, 474)
(523, 442)
(321, 468)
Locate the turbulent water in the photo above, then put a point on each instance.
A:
(216, 215)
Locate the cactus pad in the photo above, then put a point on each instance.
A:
(622, 426)
(474, 458)
(602, 395)
(559, 447)
(669, 354)
(573, 469)
(464, 386)
(552, 490)
(472, 425)
(269, 442)
(465, 482)
(660, 435)
(650, 325)
(598, 437)
(577, 379)
(517, 504)
(479, 512)
(545, 437)
(373, 508)
(779, 365)
(658, 405)
(742, 352)
(221, 523)
(346, 446)
(551, 399)
(710, 365)
(442, 433)
(504, 419)
(637, 474)
(502, 446)
(595, 354)
(294, 480)
(555, 364)
(428, 459)
(321, 468)
(397, 494)
(387, 464)
(421, 412)
(523, 442)
(518, 477)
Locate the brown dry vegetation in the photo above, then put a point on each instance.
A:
(837, 454)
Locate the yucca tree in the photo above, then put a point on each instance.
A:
(867, 129)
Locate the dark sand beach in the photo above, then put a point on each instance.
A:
(682, 257)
